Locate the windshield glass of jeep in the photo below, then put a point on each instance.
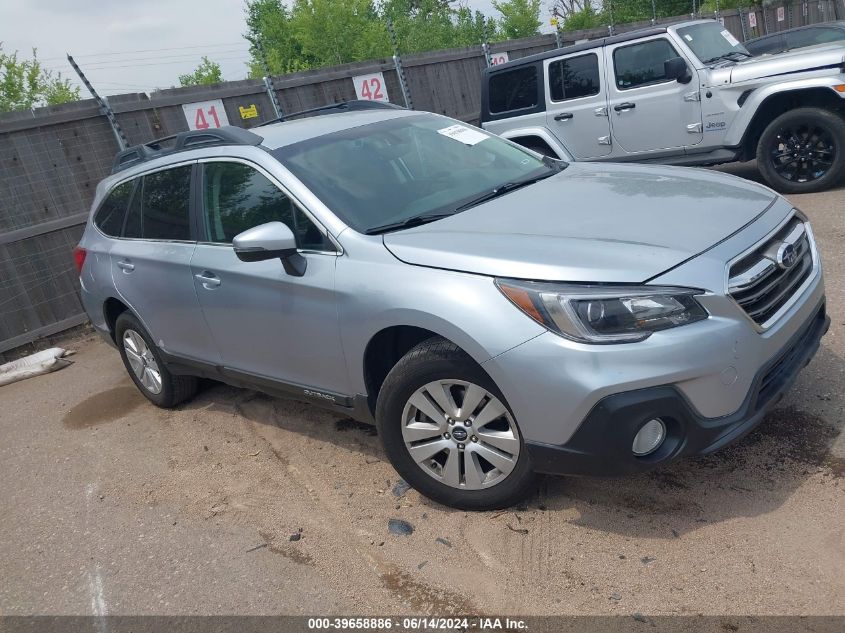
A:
(711, 41)
(406, 168)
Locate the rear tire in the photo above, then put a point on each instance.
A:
(145, 367)
(473, 459)
(803, 151)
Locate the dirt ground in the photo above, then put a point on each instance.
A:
(237, 503)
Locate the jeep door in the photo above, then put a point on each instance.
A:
(151, 263)
(267, 323)
(648, 112)
(576, 103)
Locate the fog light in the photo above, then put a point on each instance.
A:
(649, 438)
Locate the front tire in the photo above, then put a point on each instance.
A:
(144, 364)
(803, 151)
(448, 431)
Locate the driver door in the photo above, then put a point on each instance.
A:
(648, 112)
(266, 323)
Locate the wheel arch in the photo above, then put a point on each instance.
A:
(539, 136)
(389, 344)
(770, 105)
(112, 309)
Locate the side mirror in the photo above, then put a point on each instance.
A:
(269, 241)
(676, 68)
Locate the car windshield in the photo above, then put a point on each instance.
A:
(710, 41)
(407, 168)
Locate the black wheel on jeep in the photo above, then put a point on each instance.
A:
(448, 431)
(145, 366)
(803, 150)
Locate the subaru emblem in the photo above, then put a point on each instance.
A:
(787, 256)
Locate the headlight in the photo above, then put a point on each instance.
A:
(604, 314)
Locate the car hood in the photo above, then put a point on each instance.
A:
(800, 60)
(590, 223)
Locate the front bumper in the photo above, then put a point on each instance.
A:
(602, 443)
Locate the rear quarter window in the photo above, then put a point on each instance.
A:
(514, 90)
(109, 217)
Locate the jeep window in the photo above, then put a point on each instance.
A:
(642, 64)
(159, 210)
(406, 167)
(766, 45)
(574, 77)
(711, 41)
(236, 197)
(109, 217)
(513, 90)
(811, 37)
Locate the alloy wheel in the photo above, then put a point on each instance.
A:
(142, 361)
(803, 153)
(460, 434)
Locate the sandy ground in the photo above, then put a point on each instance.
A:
(237, 503)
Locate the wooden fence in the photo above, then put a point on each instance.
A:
(51, 159)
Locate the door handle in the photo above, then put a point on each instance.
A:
(564, 116)
(126, 266)
(625, 106)
(208, 280)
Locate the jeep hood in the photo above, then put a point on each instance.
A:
(788, 63)
(589, 223)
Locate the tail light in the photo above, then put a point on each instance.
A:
(79, 254)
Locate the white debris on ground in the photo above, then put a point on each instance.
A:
(34, 365)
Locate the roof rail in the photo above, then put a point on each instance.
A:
(340, 106)
(226, 135)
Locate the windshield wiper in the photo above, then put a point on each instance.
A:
(730, 56)
(416, 220)
(507, 188)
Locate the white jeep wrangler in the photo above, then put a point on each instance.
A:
(686, 94)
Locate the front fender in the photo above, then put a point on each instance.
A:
(378, 293)
(745, 114)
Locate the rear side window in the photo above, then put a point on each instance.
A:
(810, 37)
(766, 45)
(642, 64)
(236, 197)
(513, 90)
(574, 77)
(109, 217)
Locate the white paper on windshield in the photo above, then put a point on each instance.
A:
(463, 134)
(730, 38)
(688, 37)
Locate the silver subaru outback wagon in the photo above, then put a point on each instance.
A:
(494, 312)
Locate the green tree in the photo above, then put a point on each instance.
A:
(208, 72)
(25, 84)
(336, 32)
(426, 25)
(520, 18)
(269, 25)
(312, 33)
(586, 18)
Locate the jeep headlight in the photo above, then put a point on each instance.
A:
(604, 314)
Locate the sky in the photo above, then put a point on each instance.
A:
(135, 45)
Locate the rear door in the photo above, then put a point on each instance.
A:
(648, 112)
(151, 264)
(265, 322)
(576, 103)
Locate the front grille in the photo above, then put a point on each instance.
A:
(765, 279)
